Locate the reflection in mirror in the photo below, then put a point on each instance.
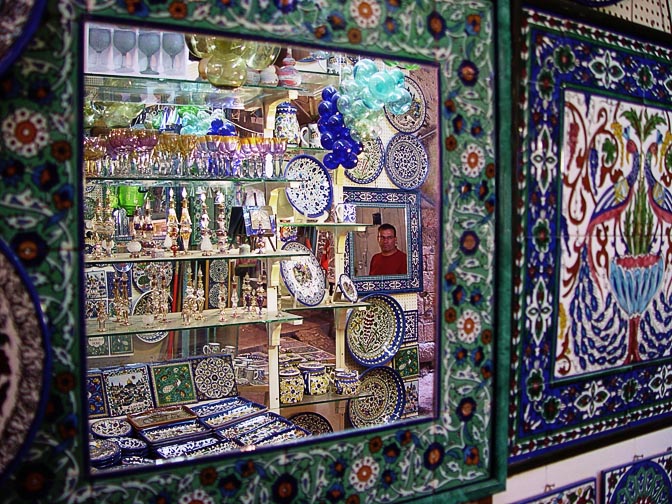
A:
(285, 327)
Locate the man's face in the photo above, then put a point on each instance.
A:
(387, 241)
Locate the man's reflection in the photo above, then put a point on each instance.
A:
(390, 260)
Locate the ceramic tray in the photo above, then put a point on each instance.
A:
(173, 382)
(160, 416)
(303, 275)
(406, 161)
(214, 377)
(265, 431)
(110, 428)
(314, 193)
(284, 436)
(171, 433)
(385, 398)
(370, 163)
(232, 415)
(131, 446)
(210, 408)
(223, 446)
(232, 431)
(314, 423)
(412, 120)
(373, 335)
(180, 449)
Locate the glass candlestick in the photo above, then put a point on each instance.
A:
(185, 223)
(206, 244)
(172, 227)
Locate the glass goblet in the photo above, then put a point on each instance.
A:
(123, 41)
(149, 44)
(173, 44)
(99, 40)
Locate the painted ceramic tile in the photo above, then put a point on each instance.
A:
(407, 361)
(97, 346)
(411, 326)
(584, 492)
(648, 480)
(595, 200)
(96, 395)
(412, 388)
(121, 344)
(173, 383)
(214, 377)
(127, 389)
(95, 283)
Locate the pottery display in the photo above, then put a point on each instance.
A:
(292, 386)
(288, 75)
(286, 124)
(315, 378)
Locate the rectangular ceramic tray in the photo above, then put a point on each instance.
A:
(267, 430)
(232, 415)
(234, 430)
(207, 409)
(170, 433)
(285, 436)
(183, 448)
(224, 446)
(160, 416)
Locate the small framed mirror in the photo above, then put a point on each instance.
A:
(386, 256)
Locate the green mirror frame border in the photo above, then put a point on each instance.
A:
(461, 453)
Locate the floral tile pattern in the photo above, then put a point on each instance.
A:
(647, 480)
(40, 204)
(592, 335)
(173, 383)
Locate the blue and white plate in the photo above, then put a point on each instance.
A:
(370, 163)
(303, 275)
(373, 335)
(383, 398)
(314, 193)
(348, 288)
(411, 120)
(406, 161)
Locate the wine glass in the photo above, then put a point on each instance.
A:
(173, 43)
(124, 42)
(99, 40)
(149, 44)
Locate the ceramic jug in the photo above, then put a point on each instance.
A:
(291, 385)
(315, 378)
(286, 124)
(346, 382)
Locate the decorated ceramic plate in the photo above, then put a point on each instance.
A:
(370, 164)
(111, 427)
(17, 25)
(303, 275)
(142, 274)
(383, 398)
(314, 193)
(348, 288)
(411, 120)
(219, 270)
(373, 335)
(26, 361)
(214, 377)
(213, 294)
(142, 307)
(312, 422)
(406, 161)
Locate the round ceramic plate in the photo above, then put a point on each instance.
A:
(312, 422)
(406, 161)
(214, 378)
(141, 275)
(141, 307)
(303, 275)
(411, 120)
(383, 398)
(348, 288)
(374, 335)
(111, 427)
(213, 294)
(18, 25)
(219, 270)
(25, 360)
(370, 164)
(314, 193)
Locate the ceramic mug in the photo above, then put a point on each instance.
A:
(212, 348)
(346, 382)
(315, 378)
(345, 212)
(310, 136)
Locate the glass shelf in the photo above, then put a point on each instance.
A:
(181, 181)
(328, 226)
(152, 91)
(174, 322)
(329, 397)
(192, 256)
(288, 305)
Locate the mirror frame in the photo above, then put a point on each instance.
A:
(461, 452)
(388, 198)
